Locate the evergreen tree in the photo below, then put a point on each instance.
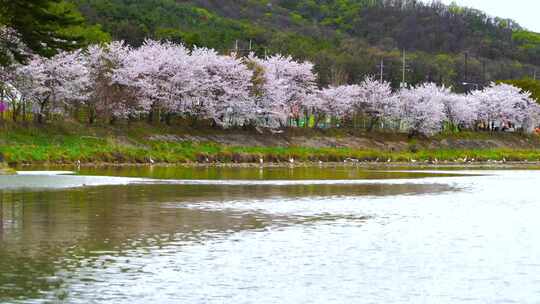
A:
(42, 27)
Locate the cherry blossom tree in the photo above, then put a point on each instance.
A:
(333, 102)
(12, 48)
(223, 86)
(288, 85)
(106, 98)
(8, 93)
(52, 85)
(70, 77)
(163, 79)
(461, 111)
(159, 74)
(422, 108)
(502, 105)
(35, 85)
(376, 101)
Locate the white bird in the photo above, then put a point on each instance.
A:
(151, 160)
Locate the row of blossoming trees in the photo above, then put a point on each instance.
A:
(162, 81)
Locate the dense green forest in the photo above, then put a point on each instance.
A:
(346, 39)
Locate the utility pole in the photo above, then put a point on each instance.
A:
(466, 66)
(382, 70)
(484, 79)
(240, 48)
(404, 70)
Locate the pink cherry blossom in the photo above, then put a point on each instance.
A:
(422, 108)
(288, 85)
(116, 81)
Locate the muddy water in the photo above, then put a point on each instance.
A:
(302, 235)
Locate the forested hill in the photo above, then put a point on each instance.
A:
(347, 39)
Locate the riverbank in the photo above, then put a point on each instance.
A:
(147, 144)
(392, 166)
(5, 169)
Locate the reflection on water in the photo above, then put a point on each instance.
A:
(54, 228)
(249, 173)
(435, 239)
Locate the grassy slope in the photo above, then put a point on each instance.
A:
(131, 144)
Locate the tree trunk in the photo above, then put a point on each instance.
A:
(41, 114)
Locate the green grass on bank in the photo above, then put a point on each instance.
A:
(20, 144)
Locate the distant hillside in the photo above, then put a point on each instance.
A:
(347, 39)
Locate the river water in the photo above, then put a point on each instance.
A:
(289, 235)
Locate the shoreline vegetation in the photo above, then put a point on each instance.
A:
(147, 144)
(368, 165)
(165, 103)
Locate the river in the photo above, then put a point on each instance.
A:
(270, 235)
